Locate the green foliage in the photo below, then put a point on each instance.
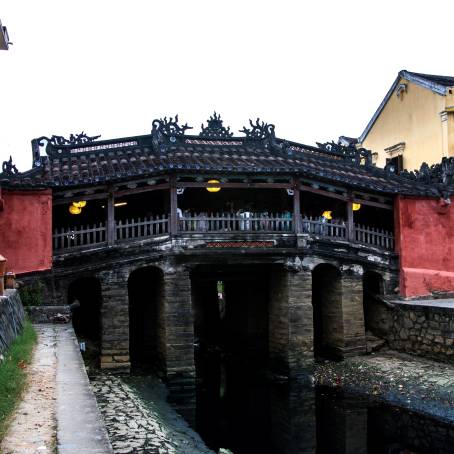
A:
(13, 374)
(32, 295)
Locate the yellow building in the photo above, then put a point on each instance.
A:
(414, 123)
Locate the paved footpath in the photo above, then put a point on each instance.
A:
(411, 382)
(58, 409)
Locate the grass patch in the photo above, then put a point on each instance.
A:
(13, 373)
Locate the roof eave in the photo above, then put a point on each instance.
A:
(379, 110)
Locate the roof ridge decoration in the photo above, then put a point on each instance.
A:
(57, 141)
(359, 156)
(74, 139)
(8, 168)
(215, 128)
(259, 131)
(169, 127)
(440, 173)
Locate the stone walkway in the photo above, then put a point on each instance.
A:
(138, 426)
(33, 429)
(410, 382)
(58, 409)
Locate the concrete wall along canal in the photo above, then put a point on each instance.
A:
(12, 317)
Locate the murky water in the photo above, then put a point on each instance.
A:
(238, 409)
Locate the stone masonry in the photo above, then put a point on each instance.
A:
(115, 321)
(423, 328)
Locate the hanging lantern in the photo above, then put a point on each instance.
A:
(80, 203)
(75, 210)
(327, 215)
(213, 188)
(356, 206)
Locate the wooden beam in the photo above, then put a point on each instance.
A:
(333, 195)
(110, 219)
(173, 206)
(195, 184)
(345, 198)
(374, 204)
(69, 200)
(350, 225)
(296, 207)
(142, 189)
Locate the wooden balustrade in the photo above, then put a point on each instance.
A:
(220, 223)
(323, 228)
(142, 228)
(81, 236)
(229, 222)
(374, 237)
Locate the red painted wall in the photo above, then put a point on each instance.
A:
(26, 230)
(425, 242)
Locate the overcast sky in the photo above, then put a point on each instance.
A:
(315, 69)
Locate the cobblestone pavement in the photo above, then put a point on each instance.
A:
(138, 426)
(411, 382)
(33, 428)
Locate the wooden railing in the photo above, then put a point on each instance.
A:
(74, 237)
(373, 236)
(323, 228)
(142, 228)
(230, 222)
(219, 223)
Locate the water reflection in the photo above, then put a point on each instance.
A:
(237, 408)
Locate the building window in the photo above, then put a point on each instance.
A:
(396, 164)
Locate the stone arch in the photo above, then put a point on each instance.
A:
(147, 325)
(327, 307)
(85, 299)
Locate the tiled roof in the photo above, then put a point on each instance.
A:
(445, 81)
(112, 161)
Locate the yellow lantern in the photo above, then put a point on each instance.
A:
(75, 210)
(327, 215)
(213, 188)
(356, 206)
(80, 203)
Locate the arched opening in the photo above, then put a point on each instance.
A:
(327, 307)
(85, 298)
(146, 319)
(231, 312)
(376, 315)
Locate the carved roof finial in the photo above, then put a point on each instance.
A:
(9, 168)
(215, 129)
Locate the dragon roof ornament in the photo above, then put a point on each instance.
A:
(359, 156)
(259, 130)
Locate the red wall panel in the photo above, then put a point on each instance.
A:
(26, 230)
(425, 242)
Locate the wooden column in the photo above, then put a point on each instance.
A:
(296, 206)
(350, 226)
(173, 206)
(110, 219)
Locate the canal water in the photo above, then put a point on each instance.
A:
(239, 409)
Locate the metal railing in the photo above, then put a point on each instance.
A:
(219, 223)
